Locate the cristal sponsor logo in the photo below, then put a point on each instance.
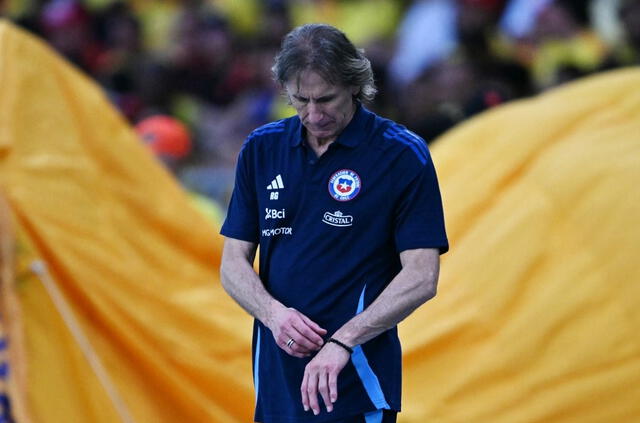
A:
(274, 214)
(337, 219)
(276, 231)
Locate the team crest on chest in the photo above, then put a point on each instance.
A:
(344, 185)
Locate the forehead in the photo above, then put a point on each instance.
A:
(310, 84)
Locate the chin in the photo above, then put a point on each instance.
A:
(321, 134)
(326, 137)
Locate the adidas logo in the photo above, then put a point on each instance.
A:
(276, 183)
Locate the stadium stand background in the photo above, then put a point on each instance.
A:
(437, 62)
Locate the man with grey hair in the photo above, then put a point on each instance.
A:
(346, 209)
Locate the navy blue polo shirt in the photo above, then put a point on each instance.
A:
(330, 231)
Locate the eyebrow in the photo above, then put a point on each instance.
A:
(321, 99)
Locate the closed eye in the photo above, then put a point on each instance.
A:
(325, 99)
(301, 99)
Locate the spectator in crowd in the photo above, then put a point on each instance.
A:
(628, 51)
(170, 141)
(67, 26)
(121, 56)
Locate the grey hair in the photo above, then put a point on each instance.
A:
(327, 51)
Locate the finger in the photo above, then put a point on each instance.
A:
(303, 391)
(292, 350)
(308, 333)
(302, 343)
(297, 354)
(333, 386)
(323, 388)
(294, 326)
(313, 325)
(312, 392)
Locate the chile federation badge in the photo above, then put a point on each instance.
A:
(344, 185)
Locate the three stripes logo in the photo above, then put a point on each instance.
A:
(274, 186)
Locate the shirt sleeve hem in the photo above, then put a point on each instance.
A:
(441, 245)
(238, 235)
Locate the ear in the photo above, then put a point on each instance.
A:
(355, 90)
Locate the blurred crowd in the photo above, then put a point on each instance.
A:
(206, 63)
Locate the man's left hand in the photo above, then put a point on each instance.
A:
(321, 377)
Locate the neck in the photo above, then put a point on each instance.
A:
(319, 145)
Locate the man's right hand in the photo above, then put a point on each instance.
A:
(294, 332)
(288, 324)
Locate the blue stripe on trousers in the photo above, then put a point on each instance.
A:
(373, 417)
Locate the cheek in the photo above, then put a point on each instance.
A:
(301, 112)
(346, 108)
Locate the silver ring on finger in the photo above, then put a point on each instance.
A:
(290, 342)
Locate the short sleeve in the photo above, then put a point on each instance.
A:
(242, 215)
(419, 216)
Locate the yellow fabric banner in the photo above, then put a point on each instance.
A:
(141, 330)
(124, 320)
(537, 314)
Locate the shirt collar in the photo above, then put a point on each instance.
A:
(351, 136)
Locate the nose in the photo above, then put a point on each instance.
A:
(315, 112)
